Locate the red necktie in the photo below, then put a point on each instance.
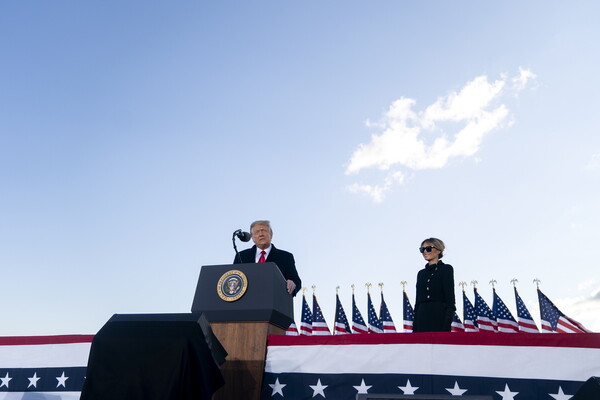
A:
(262, 256)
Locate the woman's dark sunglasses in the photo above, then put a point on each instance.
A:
(426, 248)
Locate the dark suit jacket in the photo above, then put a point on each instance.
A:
(283, 259)
(434, 304)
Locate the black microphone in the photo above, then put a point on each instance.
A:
(243, 236)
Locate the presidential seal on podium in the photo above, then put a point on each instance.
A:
(232, 285)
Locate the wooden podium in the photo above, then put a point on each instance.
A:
(244, 303)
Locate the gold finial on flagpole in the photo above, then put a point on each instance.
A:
(403, 283)
(474, 283)
(352, 286)
(368, 286)
(304, 291)
(493, 282)
(380, 284)
(462, 284)
(537, 282)
(337, 290)
(314, 288)
(514, 281)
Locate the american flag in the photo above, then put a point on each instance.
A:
(292, 330)
(375, 325)
(341, 325)
(408, 313)
(358, 323)
(319, 326)
(526, 322)
(386, 318)
(553, 320)
(506, 322)
(457, 325)
(485, 317)
(469, 315)
(306, 321)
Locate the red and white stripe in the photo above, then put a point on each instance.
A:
(470, 326)
(359, 328)
(339, 329)
(547, 327)
(305, 329)
(320, 329)
(486, 324)
(457, 327)
(507, 326)
(388, 327)
(292, 330)
(568, 325)
(528, 326)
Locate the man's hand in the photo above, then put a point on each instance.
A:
(291, 286)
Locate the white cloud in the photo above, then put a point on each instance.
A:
(521, 81)
(377, 192)
(453, 126)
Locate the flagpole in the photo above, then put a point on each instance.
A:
(337, 296)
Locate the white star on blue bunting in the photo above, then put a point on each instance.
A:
(5, 380)
(62, 380)
(560, 395)
(408, 389)
(33, 380)
(363, 388)
(456, 390)
(507, 394)
(318, 389)
(277, 388)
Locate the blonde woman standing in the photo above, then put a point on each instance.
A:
(435, 303)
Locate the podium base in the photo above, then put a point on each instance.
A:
(246, 345)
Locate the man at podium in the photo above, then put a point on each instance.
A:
(264, 251)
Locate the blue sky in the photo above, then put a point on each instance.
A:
(135, 137)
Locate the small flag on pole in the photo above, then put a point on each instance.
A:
(306, 321)
(457, 325)
(408, 314)
(469, 316)
(375, 325)
(485, 317)
(526, 322)
(553, 320)
(319, 326)
(358, 323)
(386, 317)
(341, 322)
(506, 322)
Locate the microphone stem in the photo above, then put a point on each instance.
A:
(237, 253)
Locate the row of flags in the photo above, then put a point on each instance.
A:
(478, 317)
